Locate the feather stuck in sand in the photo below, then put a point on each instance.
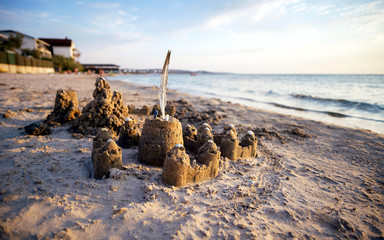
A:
(163, 85)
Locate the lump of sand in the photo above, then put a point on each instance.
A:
(66, 107)
(106, 110)
(38, 128)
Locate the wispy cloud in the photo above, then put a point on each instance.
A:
(121, 12)
(105, 5)
(367, 17)
(244, 14)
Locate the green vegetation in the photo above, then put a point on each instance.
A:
(61, 63)
(31, 52)
(13, 42)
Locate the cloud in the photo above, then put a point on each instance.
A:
(121, 12)
(104, 5)
(90, 30)
(243, 14)
(364, 17)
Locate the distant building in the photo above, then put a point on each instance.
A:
(64, 47)
(30, 42)
(107, 68)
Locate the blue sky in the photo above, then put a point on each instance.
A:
(243, 36)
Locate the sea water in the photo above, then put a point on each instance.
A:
(355, 101)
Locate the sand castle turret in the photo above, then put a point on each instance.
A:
(204, 134)
(233, 149)
(158, 137)
(105, 154)
(190, 138)
(105, 110)
(66, 107)
(129, 134)
(178, 170)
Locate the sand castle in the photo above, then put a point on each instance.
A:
(66, 107)
(178, 170)
(129, 134)
(234, 149)
(105, 110)
(230, 146)
(158, 137)
(105, 154)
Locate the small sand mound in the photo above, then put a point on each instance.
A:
(66, 107)
(106, 110)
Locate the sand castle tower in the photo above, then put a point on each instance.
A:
(129, 134)
(204, 134)
(105, 154)
(178, 170)
(105, 110)
(158, 137)
(66, 107)
(160, 134)
(190, 138)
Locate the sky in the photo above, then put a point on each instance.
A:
(239, 36)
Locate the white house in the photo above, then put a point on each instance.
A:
(30, 43)
(64, 47)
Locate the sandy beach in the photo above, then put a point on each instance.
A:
(309, 181)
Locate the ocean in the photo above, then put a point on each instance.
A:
(355, 101)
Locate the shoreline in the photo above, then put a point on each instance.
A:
(300, 105)
(326, 182)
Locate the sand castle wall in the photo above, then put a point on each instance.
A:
(158, 137)
(178, 170)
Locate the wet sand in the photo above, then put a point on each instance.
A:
(309, 181)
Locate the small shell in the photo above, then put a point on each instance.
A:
(128, 119)
(178, 145)
(231, 125)
(250, 133)
(210, 141)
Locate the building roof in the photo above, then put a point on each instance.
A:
(58, 42)
(101, 66)
(15, 32)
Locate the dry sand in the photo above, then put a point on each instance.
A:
(309, 181)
